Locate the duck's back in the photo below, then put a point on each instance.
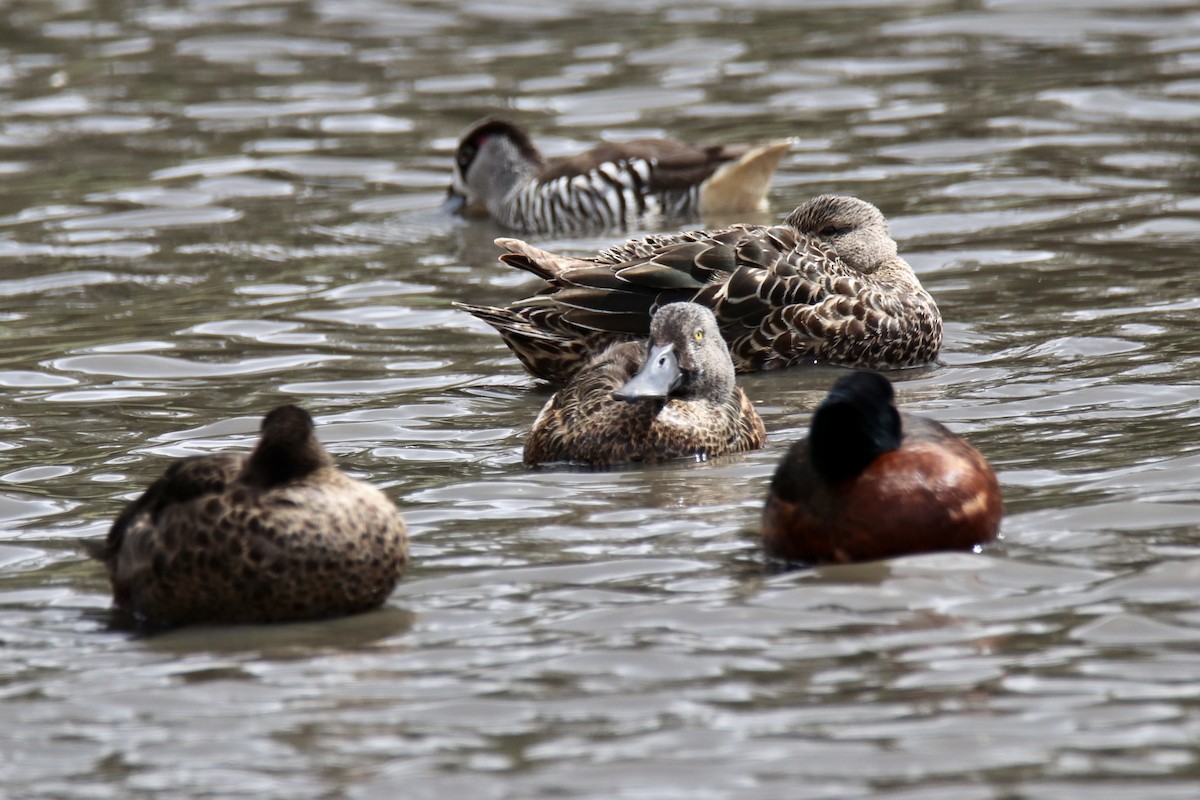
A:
(826, 285)
(196, 549)
(781, 298)
(672, 165)
(618, 184)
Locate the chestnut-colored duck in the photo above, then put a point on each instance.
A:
(871, 482)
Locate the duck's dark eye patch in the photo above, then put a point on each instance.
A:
(830, 231)
(466, 154)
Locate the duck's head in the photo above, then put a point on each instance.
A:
(856, 423)
(854, 228)
(685, 358)
(492, 156)
(287, 448)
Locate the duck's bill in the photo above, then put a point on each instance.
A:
(656, 379)
(454, 203)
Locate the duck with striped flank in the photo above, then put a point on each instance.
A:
(871, 482)
(278, 534)
(826, 285)
(499, 172)
(671, 397)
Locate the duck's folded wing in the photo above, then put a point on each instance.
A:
(534, 329)
(772, 321)
(185, 480)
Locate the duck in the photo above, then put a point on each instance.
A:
(871, 482)
(499, 172)
(673, 396)
(276, 535)
(826, 285)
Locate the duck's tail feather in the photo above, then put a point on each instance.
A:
(742, 185)
(545, 353)
(546, 265)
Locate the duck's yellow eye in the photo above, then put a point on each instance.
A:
(699, 336)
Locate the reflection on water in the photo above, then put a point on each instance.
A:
(214, 208)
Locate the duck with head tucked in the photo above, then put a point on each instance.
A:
(671, 397)
(499, 172)
(279, 534)
(826, 285)
(871, 482)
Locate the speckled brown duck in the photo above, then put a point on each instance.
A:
(278, 534)
(499, 172)
(673, 396)
(872, 482)
(826, 285)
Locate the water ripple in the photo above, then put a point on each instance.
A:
(213, 209)
(144, 365)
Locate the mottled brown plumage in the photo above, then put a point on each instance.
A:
(681, 403)
(827, 286)
(279, 534)
(499, 172)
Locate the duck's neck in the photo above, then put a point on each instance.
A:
(274, 462)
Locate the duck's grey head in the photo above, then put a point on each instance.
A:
(854, 228)
(492, 156)
(287, 448)
(686, 358)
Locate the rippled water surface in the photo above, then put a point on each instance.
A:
(210, 208)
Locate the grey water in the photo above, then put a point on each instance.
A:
(211, 208)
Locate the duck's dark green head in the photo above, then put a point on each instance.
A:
(287, 448)
(855, 424)
(686, 358)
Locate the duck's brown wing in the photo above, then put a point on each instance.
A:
(185, 480)
(534, 330)
(774, 319)
(671, 165)
(582, 422)
(590, 303)
(621, 291)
